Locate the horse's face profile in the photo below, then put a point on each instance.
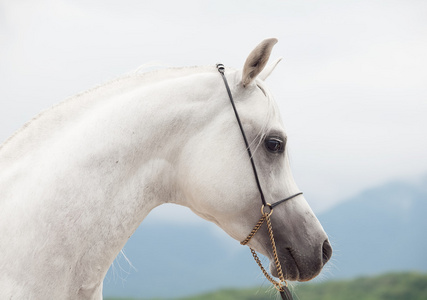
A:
(220, 185)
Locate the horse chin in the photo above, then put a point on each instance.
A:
(292, 270)
(289, 272)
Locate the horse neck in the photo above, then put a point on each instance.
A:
(88, 186)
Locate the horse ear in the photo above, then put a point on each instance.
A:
(267, 71)
(257, 60)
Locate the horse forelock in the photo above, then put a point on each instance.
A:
(271, 115)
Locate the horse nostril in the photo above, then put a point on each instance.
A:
(326, 252)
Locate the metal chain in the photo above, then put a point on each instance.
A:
(255, 230)
(273, 245)
(277, 284)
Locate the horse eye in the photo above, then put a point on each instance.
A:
(274, 145)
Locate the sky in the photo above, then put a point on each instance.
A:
(352, 85)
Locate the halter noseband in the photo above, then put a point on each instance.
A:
(281, 286)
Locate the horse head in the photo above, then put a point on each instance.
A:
(219, 182)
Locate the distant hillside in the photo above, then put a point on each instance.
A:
(380, 230)
(180, 259)
(395, 286)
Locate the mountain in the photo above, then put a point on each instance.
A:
(381, 229)
(174, 260)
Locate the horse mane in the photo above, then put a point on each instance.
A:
(130, 79)
(135, 78)
(272, 112)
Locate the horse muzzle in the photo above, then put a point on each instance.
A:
(297, 266)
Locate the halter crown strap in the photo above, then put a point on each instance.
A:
(221, 70)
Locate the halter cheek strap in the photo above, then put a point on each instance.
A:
(282, 285)
(221, 70)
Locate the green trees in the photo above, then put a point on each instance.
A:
(390, 286)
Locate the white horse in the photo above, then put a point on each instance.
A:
(76, 181)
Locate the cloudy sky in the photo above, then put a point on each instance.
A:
(352, 86)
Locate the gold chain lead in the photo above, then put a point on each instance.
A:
(266, 217)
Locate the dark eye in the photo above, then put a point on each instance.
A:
(274, 144)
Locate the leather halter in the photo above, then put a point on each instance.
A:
(284, 291)
(221, 70)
